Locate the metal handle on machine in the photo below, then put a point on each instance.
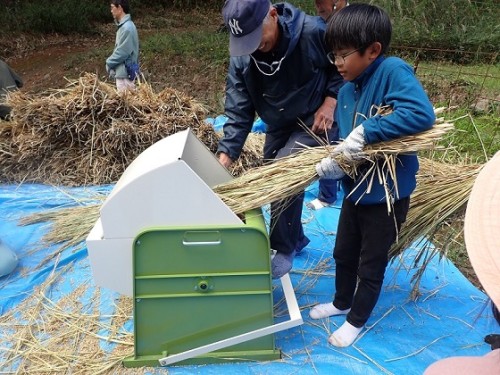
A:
(202, 238)
(201, 243)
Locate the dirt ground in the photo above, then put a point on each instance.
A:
(43, 63)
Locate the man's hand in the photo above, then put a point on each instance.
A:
(225, 160)
(323, 118)
(329, 168)
(352, 146)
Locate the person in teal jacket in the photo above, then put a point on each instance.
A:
(123, 64)
(358, 37)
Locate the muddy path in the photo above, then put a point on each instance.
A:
(49, 62)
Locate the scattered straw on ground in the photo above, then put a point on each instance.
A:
(43, 336)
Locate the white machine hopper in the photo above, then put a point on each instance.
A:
(169, 184)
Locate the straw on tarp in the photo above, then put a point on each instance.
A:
(439, 201)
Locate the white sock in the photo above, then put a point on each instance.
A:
(345, 335)
(324, 310)
(316, 204)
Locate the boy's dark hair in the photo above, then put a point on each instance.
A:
(358, 26)
(123, 4)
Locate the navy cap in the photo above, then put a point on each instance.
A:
(244, 20)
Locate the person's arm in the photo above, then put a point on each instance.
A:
(123, 49)
(412, 111)
(323, 118)
(17, 79)
(240, 113)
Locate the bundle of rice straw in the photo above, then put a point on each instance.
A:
(88, 133)
(291, 175)
(439, 200)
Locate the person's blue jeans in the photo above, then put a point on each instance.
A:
(286, 231)
(327, 190)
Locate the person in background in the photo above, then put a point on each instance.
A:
(327, 191)
(279, 70)
(358, 37)
(9, 81)
(325, 8)
(8, 259)
(123, 64)
(482, 241)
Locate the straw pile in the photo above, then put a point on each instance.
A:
(88, 133)
(441, 195)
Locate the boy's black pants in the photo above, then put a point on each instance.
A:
(364, 236)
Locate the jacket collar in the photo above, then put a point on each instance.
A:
(290, 22)
(124, 19)
(363, 77)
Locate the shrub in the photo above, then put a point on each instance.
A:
(58, 16)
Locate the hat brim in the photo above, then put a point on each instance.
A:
(247, 44)
(482, 228)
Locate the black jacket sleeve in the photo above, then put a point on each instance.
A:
(238, 109)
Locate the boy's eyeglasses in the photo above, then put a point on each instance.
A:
(340, 59)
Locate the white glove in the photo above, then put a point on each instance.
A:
(329, 168)
(352, 146)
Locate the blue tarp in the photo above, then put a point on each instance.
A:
(402, 336)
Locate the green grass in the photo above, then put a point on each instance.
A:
(209, 47)
(476, 138)
(60, 16)
(455, 25)
(486, 76)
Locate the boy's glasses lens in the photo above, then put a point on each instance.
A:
(331, 57)
(340, 59)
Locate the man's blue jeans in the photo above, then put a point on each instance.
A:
(286, 231)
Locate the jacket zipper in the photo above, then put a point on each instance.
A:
(357, 94)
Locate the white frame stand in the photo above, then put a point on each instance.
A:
(295, 320)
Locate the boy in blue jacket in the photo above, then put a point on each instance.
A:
(358, 36)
